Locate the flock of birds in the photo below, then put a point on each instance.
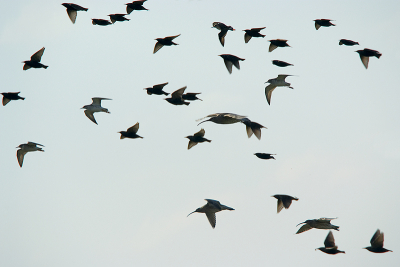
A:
(179, 97)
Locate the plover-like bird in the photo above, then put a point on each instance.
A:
(321, 223)
(25, 148)
(276, 82)
(212, 207)
(95, 107)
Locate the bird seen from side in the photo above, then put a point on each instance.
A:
(131, 132)
(212, 207)
(25, 148)
(35, 61)
(164, 41)
(72, 10)
(377, 243)
(284, 201)
(197, 138)
(223, 31)
(7, 97)
(329, 245)
(95, 107)
(321, 223)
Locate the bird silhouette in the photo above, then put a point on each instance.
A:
(72, 10)
(212, 207)
(253, 32)
(35, 61)
(366, 53)
(377, 243)
(329, 245)
(118, 17)
(347, 42)
(197, 138)
(7, 97)
(164, 41)
(230, 60)
(323, 23)
(135, 5)
(130, 132)
(191, 96)
(252, 127)
(284, 201)
(176, 97)
(281, 63)
(321, 223)
(101, 22)
(95, 107)
(277, 43)
(264, 156)
(223, 31)
(25, 148)
(223, 118)
(276, 82)
(156, 89)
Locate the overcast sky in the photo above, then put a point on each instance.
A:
(92, 199)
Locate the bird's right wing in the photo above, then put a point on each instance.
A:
(178, 93)
(249, 131)
(280, 205)
(72, 14)
(247, 38)
(200, 133)
(159, 86)
(37, 56)
(134, 128)
(377, 239)
(304, 228)
(211, 218)
(5, 100)
(272, 47)
(89, 114)
(157, 47)
(171, 37)
(329, 240)
(191, 144)
(268, 92)
(317, 26)
(20, 156)
(228, 65)
(97, 100)
(365, 61)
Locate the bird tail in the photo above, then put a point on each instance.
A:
(44, 66)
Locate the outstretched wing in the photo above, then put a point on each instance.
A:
(37, 56)
(329, 240)
(89, 114)
(304, 228)
(20, 156)
(157, 47)
(272, 47)
(178, 93)
(268, 92)
(72, 14)
(211, 218)
(247, 38)
(191, 144)
(365, 61)
(200, 133)
(228, 65)
(171, 37)
(97, 100)
(134, 128)
(221, 36)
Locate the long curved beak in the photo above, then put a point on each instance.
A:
(300, 223)
(190, 213)
(202, 122)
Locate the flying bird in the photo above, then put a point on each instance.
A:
(156, 89)
(366, 53)
(277, 43)
(321, 223)
(347, 42)
(230, 60)
(25, 148)
(135, 5)
(118, 17)
(223, 118)
(377, 243)
(101, 22)
(130, 132)
(212, 207)
(72, 10)
(281, 63)
(95, 107)
(223, 31)
(276, 82)
(176, 97)
(197, 138)
(7, 97)
(35, 61)
(191, 96)
(323, 23)
(252, 127)
(265, 156)
(164, 41)
(253, 32)
(329, 245)
(284, 201)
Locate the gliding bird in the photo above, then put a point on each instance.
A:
(276, 82)
(95, 107)
(212, 207)
(25, 148)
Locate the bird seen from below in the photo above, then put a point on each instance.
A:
(223, 118)
(347, 42)
(135, 5)
(164, 41)
(35, 61)
(212, 207)
(176, 97)
(118, 17)
(281, 63)
(377, 243)
(329, 245)
(230, 60)
(197, 138)
(72, 10)
(366, 53)
(223, 31)
(323, 23)
(101, 22)
(131, 132)
(284, 201)
(95, 107)
(156, 89)
(7, 97)
(25, 148)
(264, 155)
(252, 127)
(276, 82)
(253, 32)
(321, 223)
(191, 96)
(277, 43)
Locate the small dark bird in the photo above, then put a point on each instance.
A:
(323, 23)
(223, 118)
(156, 89)
(197, 138)
(72, 10)
(252, 127)
(176, 97)
(223, 31)
(212, 207)
(347, 42)
(7, 97)
(377, 243)
(191, 96)
(135, 5)
(366, 54)
(277, 43)
(253, 32)
(230, 60)
(265, 156)
(25, 148)
(321, 223)
(35, 61)
(330, 247)
(281, 63)
(284, 201)
(130, 132)
(101, 22)
(118, 17)
(164, 41)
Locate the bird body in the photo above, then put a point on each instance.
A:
(176, 97)
(212, 207)
(284, 201)
(118, 17)
(7, 97)
(157, 89)
(329, 245)
(377, 243)
(347, 42)
(191, 96)
(35, 61)
(366, 53)
(197, 138)
(277, 43)
(95, 107)
(131, 132)
(135, 5)
(223, 118)
(281, 63)
(72, 10)
(323, 23)
(276, 82)
(265, 156)
(164, 41)
(321, 223)
(25, 148)
(101, 22)
(252, 127)
(230, 60)
(223, 31)
(253, 32)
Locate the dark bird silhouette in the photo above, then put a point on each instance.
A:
(284, 201)
(176, 97)
(130, 132)
(35, 61)
(101, 22)
(164, 41)
(191, 96)
(7, 97)
(230, 60)
(118, 17)
(347, 42)
(135, 5)
(156, 89)
(72, 10)
(25, 148)
(321, 223)
(329, 245)
(265, 156)
(366, 54)
(223, 118)
(253, 32)
(95, 107)
(276, 82)
(277, 43)
(212, 207)
(377, 243)
(223, 31)
(252, 127)
(197, 138)
(323, 23)
(281, 63)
